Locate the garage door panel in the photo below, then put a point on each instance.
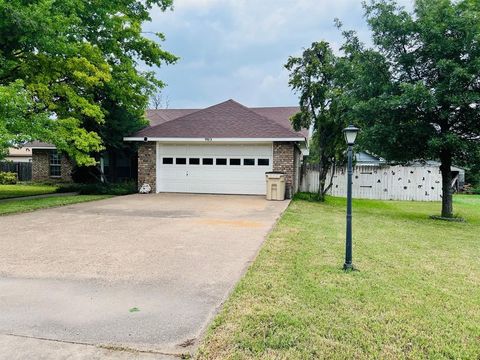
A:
(219, 179)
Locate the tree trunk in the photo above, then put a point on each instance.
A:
(447, 193)
(321, 183)
(324, 166)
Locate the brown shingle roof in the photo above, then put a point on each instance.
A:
(39, 145)
(159, 116)
(225, 120)
(281, 115)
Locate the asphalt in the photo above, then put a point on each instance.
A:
(138, 276)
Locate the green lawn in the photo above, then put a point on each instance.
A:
(18, 206)
(416, 296)
(9, 191)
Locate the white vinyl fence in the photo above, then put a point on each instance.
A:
(419, 183)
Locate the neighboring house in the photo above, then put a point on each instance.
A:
(23, 155)
(48, 164)
(226, 149)
(19, 161)
(364, 158)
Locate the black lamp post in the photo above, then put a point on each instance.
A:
(350, 134)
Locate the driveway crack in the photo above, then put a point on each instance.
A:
(101, 346)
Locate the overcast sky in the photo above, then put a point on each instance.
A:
(237, 48)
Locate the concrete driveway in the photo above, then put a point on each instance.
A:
(133, 277)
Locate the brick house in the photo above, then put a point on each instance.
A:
(226, 149)
(48, 164)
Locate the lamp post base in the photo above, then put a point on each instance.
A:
(348, 267)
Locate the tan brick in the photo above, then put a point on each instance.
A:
(284, 160)
(147, 165)
(41, 167)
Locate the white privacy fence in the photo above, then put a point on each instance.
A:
(419, 183)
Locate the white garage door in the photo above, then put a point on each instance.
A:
(213, 169)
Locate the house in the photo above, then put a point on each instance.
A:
(19, 161)
(223, 149)
(365, 158)
(48, 164)
(19, 155)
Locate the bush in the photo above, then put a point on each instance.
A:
(307, 196)
(100, 188)
(8, 178)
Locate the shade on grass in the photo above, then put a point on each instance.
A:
(18, 190)
(417, 294)
(20, 205)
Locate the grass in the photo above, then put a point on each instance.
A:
(19, 190)
(416, 296)
(26, 205)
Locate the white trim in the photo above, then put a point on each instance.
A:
(210, 140)
(43, 148)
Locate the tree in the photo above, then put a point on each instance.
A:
(158, 101)
(314, 76)
(77, 61)
(417, 92)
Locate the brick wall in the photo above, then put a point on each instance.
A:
(67, 168)
(298, 169)
(284, 161)
(41, 167)
(147, 165)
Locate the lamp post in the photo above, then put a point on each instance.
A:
(350, 134)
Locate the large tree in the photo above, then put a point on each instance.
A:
(316, 77)
(416, 93)
(77, 61)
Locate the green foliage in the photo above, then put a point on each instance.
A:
(26, 205)
(416, 93)
(427, 82)
(23, 189)
(8, 178)
(100, 188)
(315, 77)
(68, 72)
(305, 196)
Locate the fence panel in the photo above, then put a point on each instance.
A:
(419, 183)
(22, 169)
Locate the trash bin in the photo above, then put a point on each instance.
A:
(275, 185)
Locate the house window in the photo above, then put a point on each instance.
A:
(263, 162)
(55, 164)
(167, 160)
(194, 161)
(221, 162)
(249, 162)
(235, 162)
(207, 161)
(181, 161)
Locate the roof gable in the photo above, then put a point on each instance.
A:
(228, 119)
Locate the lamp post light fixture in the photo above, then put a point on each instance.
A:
(350, 134)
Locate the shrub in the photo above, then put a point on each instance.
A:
(307, 196)
(8, 178)
(100, 188)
